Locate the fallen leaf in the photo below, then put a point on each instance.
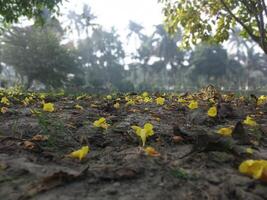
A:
(28, 145)
(39, 138)
(151, 152)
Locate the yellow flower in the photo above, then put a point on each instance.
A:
(26, 101)
(109, 97)
(262, 100)
(249, 150)
(193, 105)
(145, 94)
(48, 107)
(4, 110)
(254, 168)
(250, 121)
(101, 123)
(42, 96)
(116, 105)
(212, 112)
(77, 106)
(145, 132)
(130, 102)
(212, 100)
(151, 152)
(160, 100)
(147, 99)
(80, 97)
(182, 101)
(225, 131)
(81, 153)
(5, 101)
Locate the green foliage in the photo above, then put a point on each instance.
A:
(211, 20)
(11, 10)
(36, 53)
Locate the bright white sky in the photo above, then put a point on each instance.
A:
(118, 13)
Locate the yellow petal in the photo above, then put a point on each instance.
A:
(109, 97)
(81, 153)
(193, 105)
(212, 112)
(78, 107)
(160, 101)
(5, 101)
(253, 168)
(104, 125)
(250, 121)
(117, 105)
(137, 129)
(145, 94)
(249, 150)
(4, 110)
(48, 107)
(225, 131)
(149, 129)
(101, 123)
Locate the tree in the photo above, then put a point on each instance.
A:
(82, 22)
(36, 54)
(11, 10)
(211, 20)
(101, 56)
(169, 53)
(209, 61)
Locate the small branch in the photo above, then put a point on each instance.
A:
(264, 7)
(262, 28)
(254, 37)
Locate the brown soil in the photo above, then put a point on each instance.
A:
(194, 162)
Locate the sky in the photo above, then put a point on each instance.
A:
(118, 13)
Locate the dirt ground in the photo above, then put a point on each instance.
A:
(195, 162)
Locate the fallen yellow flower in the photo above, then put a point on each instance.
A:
(212, 112)
(78, 107)
(160, 100)
(5, 101)
(48, 107)
(116, 105)
(145, 132)
(81, 153)
(147, 100)
(225, 131)
(145, 94)
(261, 100)
(109, 97)
(101, 123)
(182, 101)
(193, 105)
(249, 150)
(4, 110)
(130, 102)
(250, 121)
(254, 168)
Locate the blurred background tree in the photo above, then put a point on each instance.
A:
(37, 55)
